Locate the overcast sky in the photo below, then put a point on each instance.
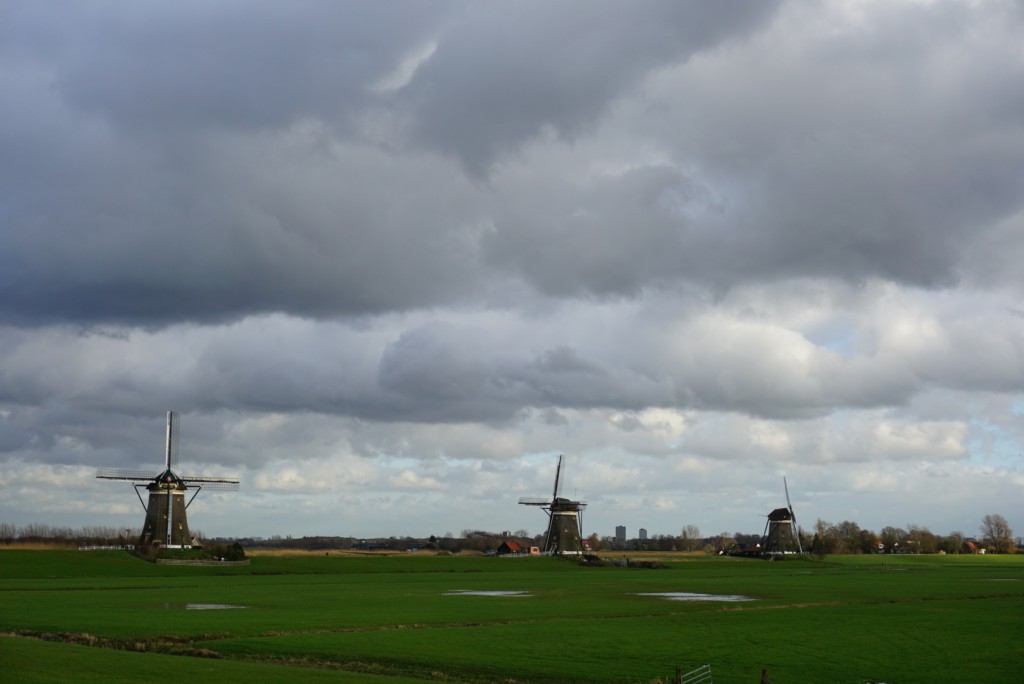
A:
(388, 260)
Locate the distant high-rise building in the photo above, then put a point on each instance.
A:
(620, 534)
(643, 534)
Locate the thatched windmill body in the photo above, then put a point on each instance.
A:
(781, 534)
(166, 522)
(565, 520)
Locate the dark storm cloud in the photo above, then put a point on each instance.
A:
(208, 162)
(439, 367)
(60, 432)
(230, 231)
(611, 234)
(458, 373)
(213, 162)
(855, 153)
(889, 154)
(171, 70)
(500, 78)
(127, 197)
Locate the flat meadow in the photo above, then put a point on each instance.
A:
(103, 616)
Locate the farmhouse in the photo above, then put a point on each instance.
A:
(510, 547)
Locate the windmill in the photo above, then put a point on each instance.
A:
(565, 522)
(166, 524)
(780, 531)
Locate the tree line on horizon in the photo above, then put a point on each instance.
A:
(824, 538)
(90, 535)
(847, 537)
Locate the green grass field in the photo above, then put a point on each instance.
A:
(106, 616)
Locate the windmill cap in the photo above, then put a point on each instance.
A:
(167, 477)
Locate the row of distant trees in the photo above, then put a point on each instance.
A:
(847, 537)
(823, 538)
(35, 533)
(995, 536)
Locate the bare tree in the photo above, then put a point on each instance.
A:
(996, 533)
(892, 538)
(921, 539)
(952, 542)
(690, 539)
(847, 535)
(822, 545)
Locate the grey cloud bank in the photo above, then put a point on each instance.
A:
(407, 253)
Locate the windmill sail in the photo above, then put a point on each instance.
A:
(792, 516)
(122, 474)
(173, 424)
(558, 480)
(533, 501)
(214, 484)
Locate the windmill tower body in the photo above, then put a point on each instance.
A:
(781, 535)
(166, 523)
(564, 536)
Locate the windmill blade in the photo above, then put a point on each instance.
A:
(212, 486)
(121, 474)
(219, 484)
(533, 501)
(792, 516)
(558, 479)
(173, 423)
(203, 478)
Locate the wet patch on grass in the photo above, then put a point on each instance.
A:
(690, 596)
(200, 606)
(474, 592)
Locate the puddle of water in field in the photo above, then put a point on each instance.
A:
(474, 592)
(688, 596)
(200, 606)
(1004, 579)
